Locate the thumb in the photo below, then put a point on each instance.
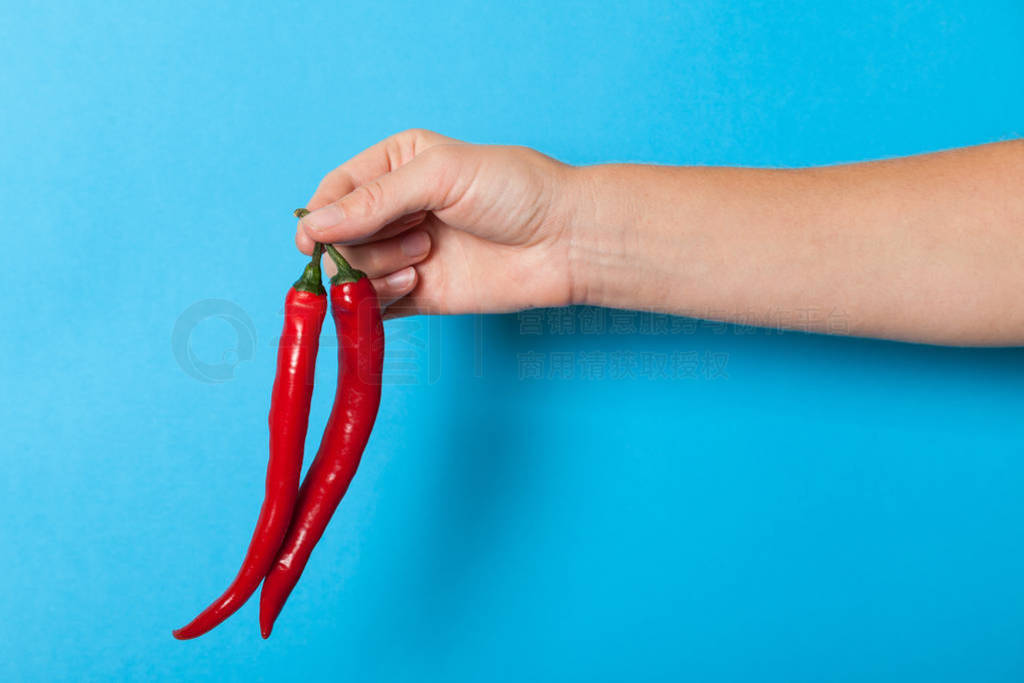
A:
(424, 184)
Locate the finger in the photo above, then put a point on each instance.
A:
(394, 286)
(385, 156)
(377, 259)
(395, 227)
(306, 244)
(373, 162)
(430, 182)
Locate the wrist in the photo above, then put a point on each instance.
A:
(602, 238)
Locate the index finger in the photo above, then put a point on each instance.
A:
(373, 162)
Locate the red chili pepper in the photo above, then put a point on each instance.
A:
(356, 313)
(304, 310)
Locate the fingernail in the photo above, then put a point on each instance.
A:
(402, 278)
(324, 217)
(415, 243)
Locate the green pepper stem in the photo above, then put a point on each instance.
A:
(346, 273)
(318, 253)
(311, 280)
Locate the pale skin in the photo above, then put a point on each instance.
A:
(928, 248)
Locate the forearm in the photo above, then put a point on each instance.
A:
(927, 248)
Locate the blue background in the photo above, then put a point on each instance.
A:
(832, 510)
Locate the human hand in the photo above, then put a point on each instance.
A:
(506, 228)
(443, 226)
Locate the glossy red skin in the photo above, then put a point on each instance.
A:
(360, 361)
(289, 416)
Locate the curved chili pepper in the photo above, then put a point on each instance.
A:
(304, 309)
(356, 313)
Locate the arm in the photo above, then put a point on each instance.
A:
(927, 248)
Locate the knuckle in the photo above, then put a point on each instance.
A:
(364, 199)
(414, 135)
(406, 144)
(416, 140)
(397, 151)
(449, 168)
(444, 153)
(443, 161)
(374, 191)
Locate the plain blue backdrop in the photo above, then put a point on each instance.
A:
(828, 510)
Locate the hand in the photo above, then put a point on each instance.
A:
(443, 226)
